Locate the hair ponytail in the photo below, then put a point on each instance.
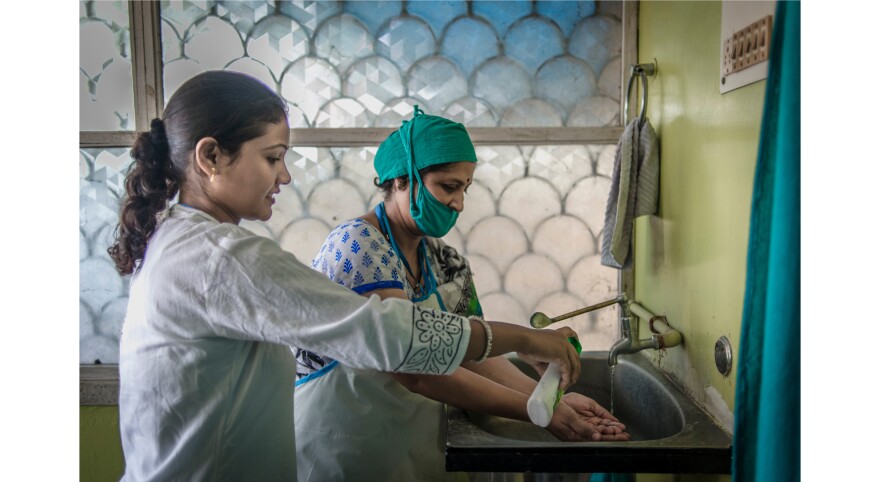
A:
(149, 184)
(230, 107)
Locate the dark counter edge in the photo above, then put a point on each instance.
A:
(581, 459)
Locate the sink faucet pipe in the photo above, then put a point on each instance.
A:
(659, 325)
(668, 336)
(629, 342)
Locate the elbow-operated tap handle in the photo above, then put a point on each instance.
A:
(540, 320)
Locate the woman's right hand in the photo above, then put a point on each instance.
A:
(552, 346)
(536, 347)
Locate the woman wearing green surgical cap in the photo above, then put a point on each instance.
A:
(355, 424)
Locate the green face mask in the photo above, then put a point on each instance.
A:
(433, 218)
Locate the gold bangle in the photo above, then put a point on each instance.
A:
(488, 331)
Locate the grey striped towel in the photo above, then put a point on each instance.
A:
(635, 186)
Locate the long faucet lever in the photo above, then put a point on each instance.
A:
(540, 320)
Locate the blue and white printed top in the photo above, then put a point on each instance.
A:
(357, 256)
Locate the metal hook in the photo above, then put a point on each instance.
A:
(642, 70)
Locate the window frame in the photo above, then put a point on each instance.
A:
(99, 384)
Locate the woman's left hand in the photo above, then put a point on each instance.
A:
(578, 418)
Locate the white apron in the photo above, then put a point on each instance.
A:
(361, 425)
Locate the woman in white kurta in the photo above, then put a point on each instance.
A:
(205, 371)
(394, 253)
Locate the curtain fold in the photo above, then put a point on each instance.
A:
(766, 442)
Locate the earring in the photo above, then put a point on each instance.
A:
(213, 172)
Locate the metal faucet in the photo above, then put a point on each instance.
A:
(663, 336)
(629, 341)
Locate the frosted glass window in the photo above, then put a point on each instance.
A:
(532, 223)
(103, 294)
(483, 63)
(533, 239)
(106, 92)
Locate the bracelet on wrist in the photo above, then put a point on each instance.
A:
(488, 331)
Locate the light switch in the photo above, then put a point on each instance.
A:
(748, 46)
(744, 46)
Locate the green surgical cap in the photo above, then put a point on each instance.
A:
(435, 140)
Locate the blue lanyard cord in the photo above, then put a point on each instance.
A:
(427, 274)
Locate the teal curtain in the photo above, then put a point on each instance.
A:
(766, 441)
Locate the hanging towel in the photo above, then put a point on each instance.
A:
(635, 186)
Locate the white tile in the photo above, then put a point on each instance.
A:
(309, 83)
(587, 201)
(343, 113)
(214, 43)
(596, 340)
(276, 41)
(287, 208)
(453, 238)
(592, 282)
(99, 283)
(499, 239)
(396, 111)
(562, 166)
(109, 322)
(498, 166)
(177, 72)
(83, 246)
(486, 277)
(532, 277)
(596, 111)
(304, 239)
(335, 201)
(478, 205)
(249, 66)
(86, 321)
(342, 40)
(609, 80)
(532, 112)
(565, 239)
(262, 229)
(98, 347)
(604, 159)
(502, 307)
(530, 201)
(309, 166)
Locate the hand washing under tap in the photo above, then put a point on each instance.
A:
(663, 336)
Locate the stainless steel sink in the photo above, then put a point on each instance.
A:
(670, 434)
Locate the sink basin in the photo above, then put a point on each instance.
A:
(669, 433)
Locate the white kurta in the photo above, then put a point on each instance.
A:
(206, 373)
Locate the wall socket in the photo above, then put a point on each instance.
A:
(744, 47)
(747, 46)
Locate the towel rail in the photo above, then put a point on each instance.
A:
(642, 71)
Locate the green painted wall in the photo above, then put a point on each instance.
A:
(100, 449)
(690, 259)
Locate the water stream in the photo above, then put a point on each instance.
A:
(612, 390)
